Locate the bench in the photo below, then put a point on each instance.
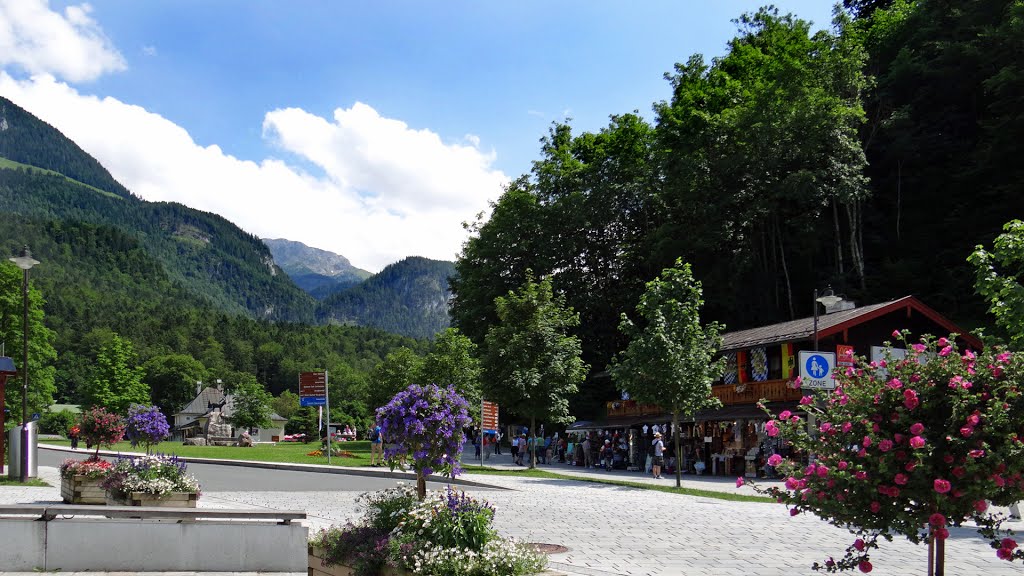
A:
(48, 513)
(76, 538)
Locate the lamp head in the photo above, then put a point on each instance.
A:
(828, 298)
(25, 261)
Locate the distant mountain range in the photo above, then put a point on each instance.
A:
(318, 272)
(108, 250)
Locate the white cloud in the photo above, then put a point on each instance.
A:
(388, 190)
(149, 50)
(40, 41)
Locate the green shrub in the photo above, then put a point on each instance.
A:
(57, 422)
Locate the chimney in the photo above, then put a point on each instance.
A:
(199, 387)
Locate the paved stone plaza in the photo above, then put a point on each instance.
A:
(626, 531)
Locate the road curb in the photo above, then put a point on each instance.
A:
(321, 468)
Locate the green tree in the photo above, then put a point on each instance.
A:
(670, 361)
(172, 380)
(116, 381)
(395, 373)
(998, 277)
(532, 364)
(250, 404)
(41, 353)
(452, 361)
(286, 404)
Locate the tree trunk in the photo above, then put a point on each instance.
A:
(785, 270)
(679, 459)
(840, 267)
(853, 214)
(421, 485)
(936, 554)
(532, 448)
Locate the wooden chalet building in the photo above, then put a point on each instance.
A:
(762, 364)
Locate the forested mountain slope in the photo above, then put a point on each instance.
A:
(318, 272)
(409, 297)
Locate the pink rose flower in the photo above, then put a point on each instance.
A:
(875, 507)
(1005, 553)
(940, 533)
(847, 427)
(937, 520)
(980, 506)
(910, 466)
(901, 479)
(917, 428)
(739, 482)
(910, 399)
(919, 348)
(917, 442)
(867, 441)
(1003, 358)
(859, 545)
(826, 427)
(895, 384)
(793, 511)
(966, 431)
(1008, 543)
(976, 453)
(942, 486)
(885, 445)
(945, 351)
(861, 475)
(771, 428)
(774, 460)
(896, 334)
(806, 400)
(942, 342)
(843, 465)
(973, 420)
(822, 471)
(785, 414)
(958, 471)
(865, 566)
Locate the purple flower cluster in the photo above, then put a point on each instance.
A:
(146, 425)
(424, 424)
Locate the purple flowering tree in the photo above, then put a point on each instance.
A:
(422, 426)
(146, 425)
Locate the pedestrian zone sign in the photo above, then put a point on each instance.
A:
(816, 369)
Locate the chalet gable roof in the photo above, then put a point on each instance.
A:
(829, 324)
(201, 404)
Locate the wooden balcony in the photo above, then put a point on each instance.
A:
(751, 392)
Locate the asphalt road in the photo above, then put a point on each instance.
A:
(221, 478)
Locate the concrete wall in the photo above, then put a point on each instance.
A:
(110, 545)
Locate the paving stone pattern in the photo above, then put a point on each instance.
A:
(613, 530)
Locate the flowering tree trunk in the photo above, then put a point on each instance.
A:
(421, 485)
(936, 554)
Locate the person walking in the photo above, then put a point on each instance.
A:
(497, 443)
(376, 447)
(659, 455)
(514, 447)
(522, 448)
(587, 460)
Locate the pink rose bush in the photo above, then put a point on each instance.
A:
(911, 459)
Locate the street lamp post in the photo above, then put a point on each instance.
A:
(827, 298)
(25, 262)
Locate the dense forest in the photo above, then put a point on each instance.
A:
(870, 156)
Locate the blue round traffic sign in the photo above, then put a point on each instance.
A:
(817, 366)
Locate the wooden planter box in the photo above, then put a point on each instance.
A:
(172, 500)
(82, 490)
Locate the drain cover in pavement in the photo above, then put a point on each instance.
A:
(547, 548)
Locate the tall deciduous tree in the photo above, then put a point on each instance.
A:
(41, 353)
(395, 373)
(172, 380)
(998, 279)
(452, 362)
(116, 381)
(250, 405)
(532, 364)
(670, 360)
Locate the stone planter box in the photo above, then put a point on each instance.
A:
(316, 568)
(82, 490)
(172, 500)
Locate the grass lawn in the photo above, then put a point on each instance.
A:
(291, 452)
(33, 482)
(538, 473)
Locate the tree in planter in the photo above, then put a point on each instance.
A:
(909, 447)
(531, 364)
(671, 362)
(100, 428)
(422, 426)
(146, 425)
(250, 405)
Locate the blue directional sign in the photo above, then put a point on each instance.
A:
(816, 370)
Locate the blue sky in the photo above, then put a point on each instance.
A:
(371, 129)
